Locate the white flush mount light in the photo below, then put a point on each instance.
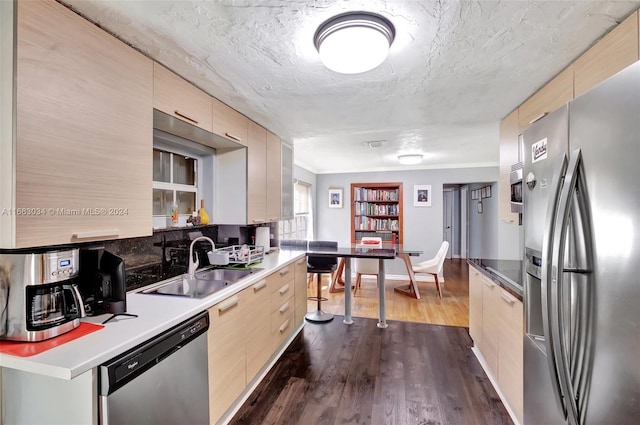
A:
(354, 42)
(410, 159)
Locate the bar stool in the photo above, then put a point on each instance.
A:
(318, 265)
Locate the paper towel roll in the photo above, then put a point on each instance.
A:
(263, 238)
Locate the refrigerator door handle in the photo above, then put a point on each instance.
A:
(572, 388)
(548, 301)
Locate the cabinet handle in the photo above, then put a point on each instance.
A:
(507, 298)
(233, 301)
(542, 115)
(273, 218)
(301, 262)
(258, 286)
(489, 283)
(283, 272)
(186, 117)
(284, 289)
(231, 136)
(284, 308)
(259, 220)
(96, 234)
(284, 326)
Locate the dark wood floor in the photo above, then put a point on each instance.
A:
(409, 373)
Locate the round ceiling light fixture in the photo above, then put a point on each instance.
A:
(411, 159)
(354, 42)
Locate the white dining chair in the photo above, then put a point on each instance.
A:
(434, 265)
(366, 266)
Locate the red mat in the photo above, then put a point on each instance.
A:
(26, 349)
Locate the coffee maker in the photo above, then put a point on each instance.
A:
(102, 282)
(39, 298)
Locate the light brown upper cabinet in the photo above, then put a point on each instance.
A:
(509, 146)
(553, 95)
(177, 97)
(274, 177)
(256, 174)
(84, 123)
(229, 123)
(614, 52)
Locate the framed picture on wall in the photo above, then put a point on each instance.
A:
(474, 194)
(488, 191)
(483, 193)
(335, 198)
(422, 195)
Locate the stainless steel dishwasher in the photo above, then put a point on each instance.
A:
(162, 381)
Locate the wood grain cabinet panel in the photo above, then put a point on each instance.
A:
(490, 323)
(475, 306)
(510, 354)
(614, 52)
(84, 136)
(509, 155)
(227, 353)
(259, 341)
(177, 97)
(273, 177)
(553, 95)
(229, 123)
(256, 175)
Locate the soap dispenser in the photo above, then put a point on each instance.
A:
(204, 217)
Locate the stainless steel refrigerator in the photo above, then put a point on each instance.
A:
(582, 259)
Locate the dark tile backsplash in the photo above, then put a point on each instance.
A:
(143, 257)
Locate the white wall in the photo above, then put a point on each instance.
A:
(488, 236)
(422, 226)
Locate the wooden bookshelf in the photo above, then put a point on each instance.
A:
(376, 210)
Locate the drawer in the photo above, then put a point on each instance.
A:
(281, 327)
(281, 276)
(227, 318)
(281, 294)
(283, 311)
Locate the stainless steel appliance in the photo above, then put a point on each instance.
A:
(515, 180)
(582, 293)
(38, 297)
(162, 381)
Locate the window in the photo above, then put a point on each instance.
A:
(299, 227)
(174, 182)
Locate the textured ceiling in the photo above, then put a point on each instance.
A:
(455, 69)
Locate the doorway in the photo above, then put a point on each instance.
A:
(455, 219)
(447, 220)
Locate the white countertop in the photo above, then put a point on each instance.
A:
(156, 314)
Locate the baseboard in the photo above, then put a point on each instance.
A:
(494, 382)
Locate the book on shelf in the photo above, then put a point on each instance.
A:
(386, 235)
(368, 208)
(382, 195)
(368, 223)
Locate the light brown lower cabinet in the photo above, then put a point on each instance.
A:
(227, 341)
(496, 327)
(246, 330)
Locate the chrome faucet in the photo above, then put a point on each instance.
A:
(193, 265)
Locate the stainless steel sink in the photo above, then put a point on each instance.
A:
(228, 275)
(206, 282)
